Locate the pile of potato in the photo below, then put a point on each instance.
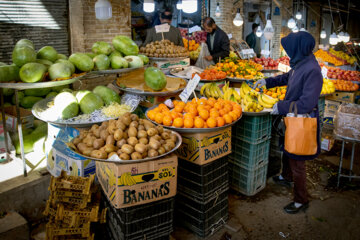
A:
(164, 49)
(128, 137)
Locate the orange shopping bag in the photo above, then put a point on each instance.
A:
(300, 133)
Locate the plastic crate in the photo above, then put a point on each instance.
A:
(275, 140)
(134, 222)
(249, 155)
(247, 181)
(252, 129)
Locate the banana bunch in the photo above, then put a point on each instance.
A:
(266, 101)
(250, 104)
(253, 101)
(127, 180)
(230, 93)
(211, 90)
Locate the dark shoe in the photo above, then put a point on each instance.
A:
(291, 209)
(282, 182)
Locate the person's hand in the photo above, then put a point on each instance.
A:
(259, 83)
(208, 58)
(275, 110)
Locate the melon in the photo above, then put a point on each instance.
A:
(155, 78)
(89, 101)
(125, 45)
(101, 48)
(47, 53)
(107, 95)
(82, 62)
(134, 61)
(59, 70)
(66, 105)
(22, 55)
(32, 72)
(102, 62)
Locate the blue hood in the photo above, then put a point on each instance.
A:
(298, 46)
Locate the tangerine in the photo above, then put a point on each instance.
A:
(188, 115)
(205, 125)
(228, 119)
(217, 105)
(211, 122)
(204, 114)
(233, 115)
(159, 118)
(220, 121)
(188, 123)
(178, 108)
(178, 122)
(151, 114)
(167, 120)
(214, 113)
(193, 110)
(199, 122)
(222, 112)
(175, 114)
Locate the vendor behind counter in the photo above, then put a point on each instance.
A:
(173, 35)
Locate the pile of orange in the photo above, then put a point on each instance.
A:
(276, 92)
(343, 85)
(200, 113)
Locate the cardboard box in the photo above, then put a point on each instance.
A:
(344, 96)
(60, 157)
(203, 148)
(164, 65)
(26, 117)
(134, 184)
(331, 108)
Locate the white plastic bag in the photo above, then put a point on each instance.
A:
(202, 62)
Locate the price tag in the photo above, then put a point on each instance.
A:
(265, 52)
(324, 71)
(194, 29)
(162, 28)
(230, 36)
(189, 89)
(247, 51)
(283, 68)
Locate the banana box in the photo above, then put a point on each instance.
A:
(134, 184)
(203, 148)
(168, 64)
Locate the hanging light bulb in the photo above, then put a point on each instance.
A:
(341, 36)
(323, 34)
(333, 40)
(291, 23)
(346, 37)
(103, 9)
(268, 30)
(189, 6)
(238, 20)
(217, 11)
(295, 29)
(298, 15)
(179, 5)
(149, 6)
(258, 31)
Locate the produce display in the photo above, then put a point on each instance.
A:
(326, 57)
(284, 60)
(211, 74)
(253, 101)
(211, 90)
(191, 45)
(276, 92)
(337, 73)
(164, 49)
(200, 113)
(342, 85)
(328, 87)
(345, 57)
(199, 36)
(242, 69)
(267, 63)
(128, 138)
(194, 55)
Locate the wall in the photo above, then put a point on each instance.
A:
(85, 29)
(314, 22)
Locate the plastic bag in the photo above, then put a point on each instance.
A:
(347, 121)
(202, 62)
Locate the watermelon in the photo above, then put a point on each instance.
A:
(37, 92)
(61, 56)
(107, 95)
(102, 62)
(47, 53)
(9, 73)
(29, 101)
(45, 62)
(67, 62)
(66, 105)
(125, 45)
(115, 53)
(119, 62)
(21, 95)
(82, 61)
(155, 78)
(22, 55)
(51, 94)
(134, 61)
(32, 72)
(59, 70)
(59, 88)
(144, 58)
(25, 42)
(8, 91)
(88, 101)
(101, 48)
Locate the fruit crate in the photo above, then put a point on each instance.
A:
(202, 182)
(321, 104)
(247, 181)
(249, 155)
(275, 140)
(252, 129)
(139, 221)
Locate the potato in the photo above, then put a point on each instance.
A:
(99, 154)
(126, 148)
(110, 140)
(119, 152)
(142, 134)
(167, 147)
(83, 134)
(112, 121)
(141, 148)
(165, 135)
(153, 153)
(134, 124)
(112, 128)
(89, 141)
(143, 141)
(132, 141)
(94, 127)
(98, 143)
(147, 124)
(104, 124)
(87, 151)
(132, 132)
(118, 135)
(152, 132)
(136, 156)
(160, 129)
(124, 156)
(127, 114)
(110, 148)
(161, 150)
(125, 135)
(141, 127)
(154, 144)
(81, 146)
(112, 153)
(173, 137)
(97, 132)
(77, 140)
(120, 143)
(157, 137)
(120, 125)
(162, 141)
(126, 120)
(171, 143)
(104, 134)
(134, 117)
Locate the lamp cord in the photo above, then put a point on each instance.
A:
(332, 19)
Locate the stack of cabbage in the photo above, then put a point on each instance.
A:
(30, 66)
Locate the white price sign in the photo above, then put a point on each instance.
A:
(265, 52)
(283, 68)
(230, 36)
(247, 51)
(194, 29)
(324, 71)
(190, 87)
(162, 28)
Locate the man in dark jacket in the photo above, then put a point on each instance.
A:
(251, 38)
(173, 35)
(217, 41)
(304, 82)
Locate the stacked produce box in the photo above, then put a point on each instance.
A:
(248, 161)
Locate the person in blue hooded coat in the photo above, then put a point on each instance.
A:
(304, 82)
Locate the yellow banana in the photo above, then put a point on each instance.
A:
(207, 91)
(236, 95)
(269, 100)
(203, 88)
(218, 91)
(264, 104)
(213, 91)
(225, 87)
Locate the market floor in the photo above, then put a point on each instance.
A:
(333, 214)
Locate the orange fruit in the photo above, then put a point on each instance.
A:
(181, 103)
(167, 120)
(228, 107)
(205, 125)
(157, 110)
(163, 107)
(178, 108)
(151, 114)
(188, 123)
(204, 114)
(175, 114)
(211, 102)
(159, 118)
(178, 122)
(222, 112)
(198, 122)
(233, 115)
(211, 122)
(202, 101)
(214, 113)
(195, 100)
(200, 107)
(189, 115)
(228, 119)
(220, 121)
(207, 107)
(193, 110)
(175, 102)
(217, 105)
(212, 99)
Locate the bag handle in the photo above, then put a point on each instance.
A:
(293, 106)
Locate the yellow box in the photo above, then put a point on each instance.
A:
(344, 96)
